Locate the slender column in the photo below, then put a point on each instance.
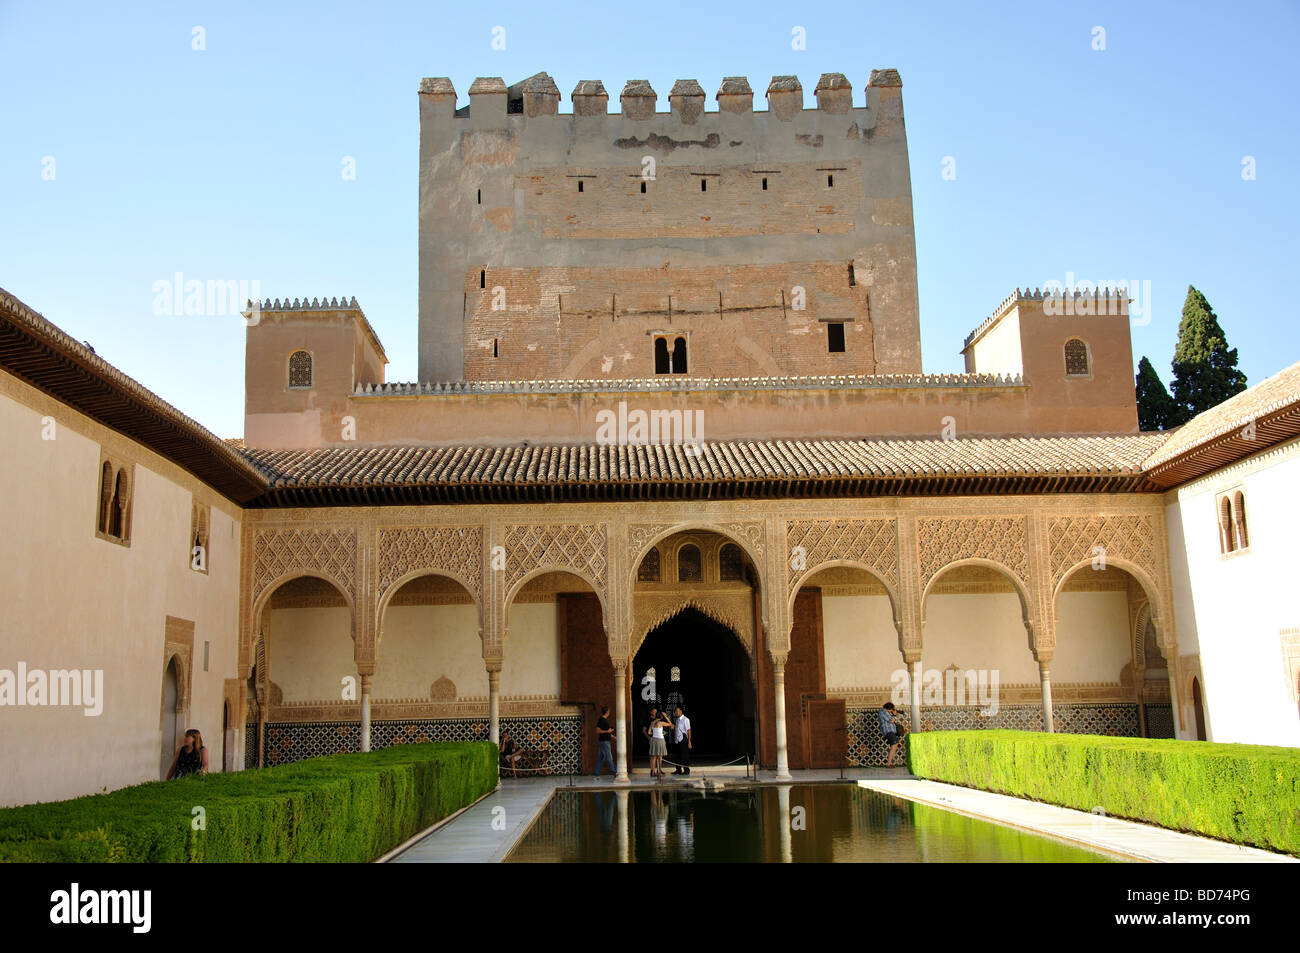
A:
(1045, 680)
(365, 712)
(494, 701)
(624, 837)
(261, 726)
(778, 688)
(916, 695)
(621, 734)
(787, 840)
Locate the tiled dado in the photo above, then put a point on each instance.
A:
(558, 738)
(867, 747)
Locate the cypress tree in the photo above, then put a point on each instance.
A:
(1205, 368)
(1154, 404)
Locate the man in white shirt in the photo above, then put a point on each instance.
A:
(682, 735)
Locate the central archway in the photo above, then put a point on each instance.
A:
(694, 660)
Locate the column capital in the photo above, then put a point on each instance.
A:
(619, 662)
(366, 669)
(493, 666)
(365, 678)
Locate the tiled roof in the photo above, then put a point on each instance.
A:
(725, 469)
(1272, 396)
(35, 350)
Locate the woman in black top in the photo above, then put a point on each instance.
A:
(192, 758)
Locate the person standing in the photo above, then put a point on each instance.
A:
(682, 735)
(604, 743)
(890, 731)
(658, 746)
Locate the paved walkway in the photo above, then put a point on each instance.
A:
(1139, 841)
(485, 833)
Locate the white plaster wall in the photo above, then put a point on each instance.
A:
(861, 643)
(71, 600)
(421, 644)
(1240, 603)
(1092, 636)
(978, 631)
(310, 651)
(998, 351)
(532, 662)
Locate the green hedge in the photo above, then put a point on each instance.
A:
(347, 807)
(1247, 794)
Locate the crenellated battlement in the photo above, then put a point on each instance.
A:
(1102, 301)
(538, 95)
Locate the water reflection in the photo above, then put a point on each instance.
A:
(781, 824)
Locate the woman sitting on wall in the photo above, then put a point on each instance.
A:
(191, 759)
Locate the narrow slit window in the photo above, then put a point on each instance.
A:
(704, 185)
(765, 184)
(482, 279)
(643, 188)
(835, 337)
(852, 277)
(480, 196)
(830, 181)
(580, 185)
(494, 347)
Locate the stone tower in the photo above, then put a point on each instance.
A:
(598, 245)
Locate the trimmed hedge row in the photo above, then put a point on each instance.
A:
(1246, 794)
(347, 807)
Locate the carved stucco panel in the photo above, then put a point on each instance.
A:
(872, 542)
(453, 549)
(281, 552)
(943, 540)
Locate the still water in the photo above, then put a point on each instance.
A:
(823, 822)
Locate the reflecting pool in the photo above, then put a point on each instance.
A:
(791, 823)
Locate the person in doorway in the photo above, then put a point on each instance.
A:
(510, 753)
(604, 743)
(682, 735)
(658, 746)
(890, 730)
(192, 758)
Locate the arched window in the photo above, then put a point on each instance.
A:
(300, 369)
(1227, 538)
(663, 363)
(1076, 359)
(679, 356)
(117, 516)
(105, 496)
(688, 563)
(731, 564)
(1239, 520)
(649, 571)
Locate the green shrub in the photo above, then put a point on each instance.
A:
(347, 807)
(1246, 794)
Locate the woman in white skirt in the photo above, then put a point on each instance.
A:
(658, 746)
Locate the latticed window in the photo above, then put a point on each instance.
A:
(300, 369)
(674, 674)
(1227, 532)
(731, 565)
(688, 564)
(1076, 358)
(199, 537)
(649, 571)
(1239, 520)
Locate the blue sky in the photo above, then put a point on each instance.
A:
(225, 163)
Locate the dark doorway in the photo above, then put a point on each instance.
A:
(1198, 707)
(712, 681)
